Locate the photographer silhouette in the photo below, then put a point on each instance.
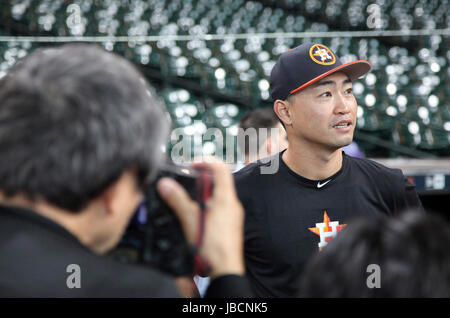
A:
(80, 137)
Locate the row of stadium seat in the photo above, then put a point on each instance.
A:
(407, 94)
(380, 14)
(214, 14)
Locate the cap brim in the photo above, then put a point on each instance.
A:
(354, 70)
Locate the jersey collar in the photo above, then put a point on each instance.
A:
(316, 184)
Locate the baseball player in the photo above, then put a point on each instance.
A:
(317, 189)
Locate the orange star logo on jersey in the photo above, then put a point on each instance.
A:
(326, 230)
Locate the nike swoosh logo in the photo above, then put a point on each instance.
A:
(319, 185)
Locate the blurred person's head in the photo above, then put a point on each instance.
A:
(410, 251)
(80, 133)
(353, 150)
(255, 138)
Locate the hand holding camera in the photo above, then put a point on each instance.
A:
(222, 240)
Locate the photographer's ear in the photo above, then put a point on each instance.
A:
(122, 196)
(107, 198)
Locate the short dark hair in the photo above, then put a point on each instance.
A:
(258, 118)
(411, 250)
(72, 120)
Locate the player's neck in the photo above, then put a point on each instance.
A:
(313, 164)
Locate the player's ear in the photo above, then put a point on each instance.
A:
(281, 108)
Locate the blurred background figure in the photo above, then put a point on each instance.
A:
(259, 142)
(353, 150)
(410, 253)
(264, 144)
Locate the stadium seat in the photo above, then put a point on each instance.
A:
(409, 81)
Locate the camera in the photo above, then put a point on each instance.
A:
(154, 235)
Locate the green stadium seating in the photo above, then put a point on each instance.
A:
(409, 82)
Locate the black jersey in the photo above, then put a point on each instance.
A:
(288, 217)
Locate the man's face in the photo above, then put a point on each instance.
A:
(324, 114)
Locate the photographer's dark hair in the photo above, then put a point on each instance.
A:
(411, 250)
(258, 118)
(72, 120)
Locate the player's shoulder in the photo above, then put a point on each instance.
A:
(246, 171)
(256, 177)
(254, 170)
(374, 169)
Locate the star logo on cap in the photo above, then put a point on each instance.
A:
(322, 55)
